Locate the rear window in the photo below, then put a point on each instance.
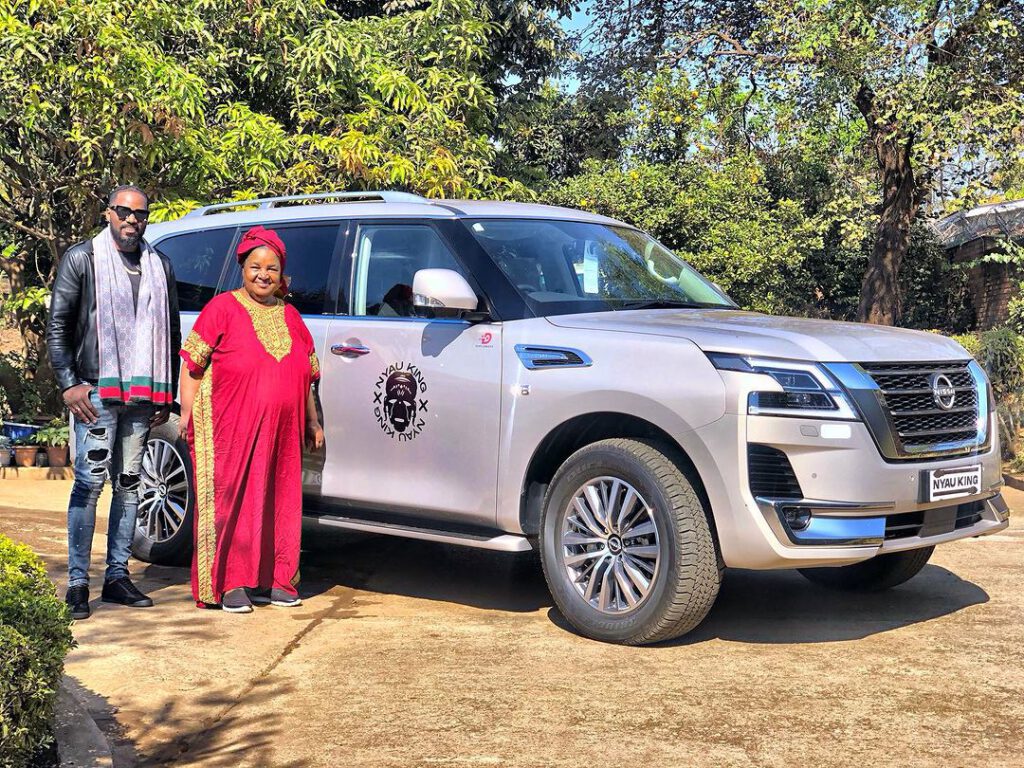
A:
(198, 260)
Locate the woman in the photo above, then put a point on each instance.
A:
(245, 401)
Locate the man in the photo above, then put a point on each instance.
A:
(114, 337)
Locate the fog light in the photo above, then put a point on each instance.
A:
(797, 518)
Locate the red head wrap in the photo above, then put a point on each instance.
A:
(257, 237)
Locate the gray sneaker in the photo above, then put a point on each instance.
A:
(260, 596)
(284, 599)
(236, 601)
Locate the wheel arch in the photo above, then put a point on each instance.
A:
(582, 430)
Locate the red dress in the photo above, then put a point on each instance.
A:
(246, 433)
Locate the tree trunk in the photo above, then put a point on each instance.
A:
(880, 290)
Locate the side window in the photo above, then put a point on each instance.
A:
(310, 250)
(387, 257)
(198, 258)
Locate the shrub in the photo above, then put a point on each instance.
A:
(35, 636)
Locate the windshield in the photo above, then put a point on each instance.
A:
(563, 267)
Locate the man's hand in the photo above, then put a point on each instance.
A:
(160, 416)
(314, 436)
(77, 400)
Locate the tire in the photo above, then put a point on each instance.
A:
(661, 538)
(874, 575)
(163, 528)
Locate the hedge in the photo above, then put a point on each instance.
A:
(35, 636)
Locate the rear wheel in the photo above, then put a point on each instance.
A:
(626, 547)
(163, 527)
(874, 575)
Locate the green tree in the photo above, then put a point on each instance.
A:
(937, 87)
(719, 218)
(209, 99)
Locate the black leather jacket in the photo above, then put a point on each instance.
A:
(71, 329)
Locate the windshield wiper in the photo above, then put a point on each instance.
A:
(659, 304)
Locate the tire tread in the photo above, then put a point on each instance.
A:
(697, 579)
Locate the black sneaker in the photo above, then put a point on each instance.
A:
(77, 599)
(236, 601)
(123, 592)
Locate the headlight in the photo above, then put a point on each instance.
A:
(807, 388)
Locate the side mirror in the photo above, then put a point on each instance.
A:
(442, 289)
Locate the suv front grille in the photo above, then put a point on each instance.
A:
(919, 424)
(771, 474)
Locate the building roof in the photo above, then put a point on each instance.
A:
(999, 220)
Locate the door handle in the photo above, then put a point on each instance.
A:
(350, 350)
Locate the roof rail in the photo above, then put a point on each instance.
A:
(274, 202)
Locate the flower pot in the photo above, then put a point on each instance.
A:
(58, 457)
(25, 455)
(5, 456)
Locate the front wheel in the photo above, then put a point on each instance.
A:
(874, 575)
(163, 526)
(626, 545)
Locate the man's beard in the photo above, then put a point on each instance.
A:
(126, 242)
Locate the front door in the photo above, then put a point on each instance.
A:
(411, 406)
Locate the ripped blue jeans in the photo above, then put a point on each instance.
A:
(112, 447)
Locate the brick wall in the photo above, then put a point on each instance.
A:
(991, 286)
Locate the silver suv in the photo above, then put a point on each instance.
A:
(518, 377)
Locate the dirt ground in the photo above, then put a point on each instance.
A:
(414, 654)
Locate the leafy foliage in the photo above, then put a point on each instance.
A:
(721, 220)
(35, 636)
(934, 90)
(202, 99)
(55, 434)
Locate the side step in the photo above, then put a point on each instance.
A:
(506, 542)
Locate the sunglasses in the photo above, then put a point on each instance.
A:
(123, 212)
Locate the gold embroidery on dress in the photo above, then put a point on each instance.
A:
(206, 528)
(314, 364)
(269, 324)
(197, 349)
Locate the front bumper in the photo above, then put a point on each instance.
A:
(861, 505)
(835, 523)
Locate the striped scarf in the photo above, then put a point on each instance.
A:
(134, 343)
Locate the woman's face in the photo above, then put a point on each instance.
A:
(261, 273)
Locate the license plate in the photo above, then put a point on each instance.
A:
(942, 484)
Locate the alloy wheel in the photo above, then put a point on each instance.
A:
(610, 545)
(164, 492)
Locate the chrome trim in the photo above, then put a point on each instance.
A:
(855, 515)
(350, 350)
(539, 357)
(503, 543)
(869, 400)
(832, 508)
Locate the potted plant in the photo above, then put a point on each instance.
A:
(5, 451)
(55, 437)
(25, 455)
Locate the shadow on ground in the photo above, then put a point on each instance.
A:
(103, 713)
(499, 581)
(783, 607)
(752, 606)
(207, 742)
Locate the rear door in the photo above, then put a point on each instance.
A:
(411, 406)
(313, 271)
